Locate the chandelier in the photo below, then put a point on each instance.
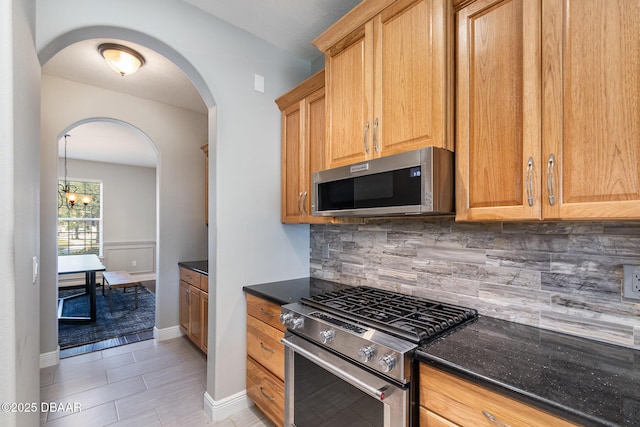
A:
(67, 194)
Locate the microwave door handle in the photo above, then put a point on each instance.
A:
(372, 391)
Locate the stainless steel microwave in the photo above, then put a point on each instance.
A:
(418, 182)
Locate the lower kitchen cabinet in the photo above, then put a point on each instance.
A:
(265, 358)
(194, 306)
(266, 391)
(447, 401)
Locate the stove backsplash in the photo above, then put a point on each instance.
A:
(564, 276)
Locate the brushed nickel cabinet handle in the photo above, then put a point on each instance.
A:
(266, 313)
(494, 420)
(299, 198)
(550, 179)
(530, 181)
(375, 136)
(266, 395)
(189, 296)
(366, 135)
(304, 204)
(270, 350)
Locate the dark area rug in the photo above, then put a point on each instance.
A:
(124, 320)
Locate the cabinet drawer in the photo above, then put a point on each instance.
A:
(191, 277)
(463, 403)
(266, 391)
(204, 283)
(430, 419)
(264, 310)
(263, 344)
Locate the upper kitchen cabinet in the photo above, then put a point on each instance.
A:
(388, 66)
(498, 115)
(303, 134)
(591, 115)
(548, 110)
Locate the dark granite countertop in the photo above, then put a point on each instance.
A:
(289, 291)
(585, 381)
(201, 267)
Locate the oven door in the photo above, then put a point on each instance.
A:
(322, 389)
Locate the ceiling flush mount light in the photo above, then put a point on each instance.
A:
(67, 193)
(121, 59)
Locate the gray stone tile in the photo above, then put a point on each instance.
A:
(588, 328)
(551, 228)
(595, 285)
(507, 276)
(621, 228)
(514, 297)
(540, 261)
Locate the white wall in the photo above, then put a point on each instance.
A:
(128, 197)
(247, 242)
(19, 225)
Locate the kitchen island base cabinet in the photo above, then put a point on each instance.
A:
(194, 307)
(265, 358)
(448, 401)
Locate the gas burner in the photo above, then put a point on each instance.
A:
(413, 318)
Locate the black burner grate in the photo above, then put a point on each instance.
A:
(416, 319)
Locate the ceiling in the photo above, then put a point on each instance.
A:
(289, 24)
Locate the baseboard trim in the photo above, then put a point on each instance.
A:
(167, 333)
(50, 359)
(222, 409)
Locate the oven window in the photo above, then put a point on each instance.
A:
(322, 399)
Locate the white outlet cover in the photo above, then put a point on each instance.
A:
(631, 282)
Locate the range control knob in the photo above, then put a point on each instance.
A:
(327, 335)
(366, 353)
(387, 362)
(285, 318)
(296, 323)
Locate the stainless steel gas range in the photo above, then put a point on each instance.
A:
(348, 355)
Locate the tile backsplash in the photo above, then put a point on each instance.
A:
(564, 276)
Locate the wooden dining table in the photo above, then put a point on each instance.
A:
(88, 264)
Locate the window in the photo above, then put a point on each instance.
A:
(80, 227)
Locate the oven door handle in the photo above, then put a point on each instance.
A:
(377, 393)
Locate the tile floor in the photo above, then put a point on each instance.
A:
(146, 383)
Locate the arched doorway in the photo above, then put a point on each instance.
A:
(114, 165)
(177, 132)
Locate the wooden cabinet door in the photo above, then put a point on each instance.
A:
(204, 315)
(349, 66)
(184, 306)
(292, 155)
(591, 121)
(498, 107)
(412, 77)
(195, 320)
(316, 131)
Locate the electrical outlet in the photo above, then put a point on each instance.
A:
(134, 263)
(631, 284)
